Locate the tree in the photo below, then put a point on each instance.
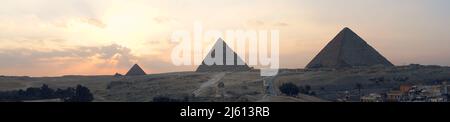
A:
(32, 93)
(307, 89)
(78, 94)
(65, 93)
(81, 94)
(46, 92)
(289, 89)
(322, 88)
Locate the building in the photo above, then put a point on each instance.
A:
(404, 88)
(373, 97)
(394, 96)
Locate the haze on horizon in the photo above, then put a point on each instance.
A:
(52, 38)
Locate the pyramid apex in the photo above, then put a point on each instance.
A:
(136, 65)
(347, 32)
(346, 29)
(220, 39)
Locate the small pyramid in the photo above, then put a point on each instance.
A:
(135, 70)
(347, 49)
(223, 67)
(118, 75)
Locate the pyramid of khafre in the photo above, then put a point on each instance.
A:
(135, 70)
(224, 67)
(347, 49)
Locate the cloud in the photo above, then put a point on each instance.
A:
(77, 60)
(282, 24)
(163, 19)
(267, 23)
(255, 23)
(81, 60)
(94, 22)
(161, 64)
(49, 9)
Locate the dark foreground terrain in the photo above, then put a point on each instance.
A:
(321, 84)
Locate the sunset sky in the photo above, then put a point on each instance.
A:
(92, 37)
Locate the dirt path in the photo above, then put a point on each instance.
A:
(214, 80)
(270, 81)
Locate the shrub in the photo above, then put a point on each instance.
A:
(289, 89)
(78, 94)
(81, 94)
(305, 89)
(168, 99)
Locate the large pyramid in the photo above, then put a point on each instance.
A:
(135, 70)
(223, 67)
(347, 49)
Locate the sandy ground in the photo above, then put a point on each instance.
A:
(210, 83)
(238, 86)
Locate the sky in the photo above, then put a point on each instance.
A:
(87, 37)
